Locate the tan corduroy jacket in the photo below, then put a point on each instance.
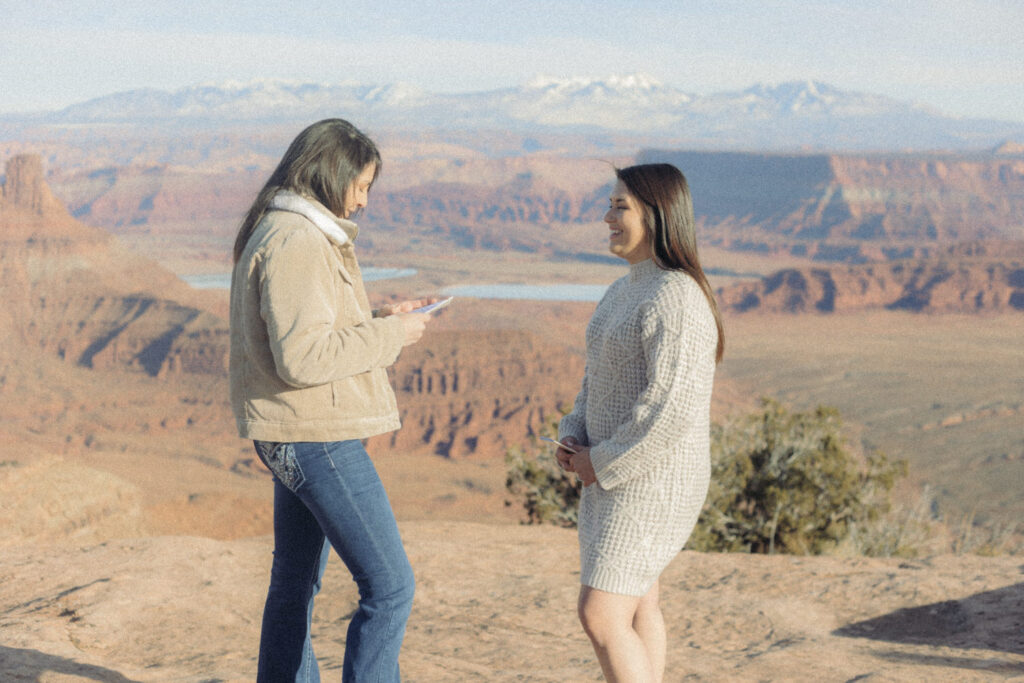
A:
(307, 358)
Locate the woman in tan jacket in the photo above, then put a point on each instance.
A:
(308, 383)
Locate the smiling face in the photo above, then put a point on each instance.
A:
(625, 219)
(357, 194)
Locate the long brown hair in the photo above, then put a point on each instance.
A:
(670, 226)
(322, 162)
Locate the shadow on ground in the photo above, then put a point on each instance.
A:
(18, 664)
(993, 620)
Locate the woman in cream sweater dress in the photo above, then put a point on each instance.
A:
(640, 424)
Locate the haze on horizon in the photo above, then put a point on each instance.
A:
(963, 57)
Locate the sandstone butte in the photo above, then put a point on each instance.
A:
(112, 571)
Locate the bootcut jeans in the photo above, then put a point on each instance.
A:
(329, 495)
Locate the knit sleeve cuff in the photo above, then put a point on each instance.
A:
(603, 459)
(570, 426)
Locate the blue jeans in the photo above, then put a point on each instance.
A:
(331, 491)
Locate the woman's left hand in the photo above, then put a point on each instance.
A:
(581, 465)
(405, 306)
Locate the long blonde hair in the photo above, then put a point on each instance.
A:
(322, 162)
(670, 225)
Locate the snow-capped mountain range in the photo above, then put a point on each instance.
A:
(784, 116)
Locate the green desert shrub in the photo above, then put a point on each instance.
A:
(782, 482)
(547, 494)
(786, 482)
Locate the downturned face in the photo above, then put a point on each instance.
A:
(628, 237)
(357, 194)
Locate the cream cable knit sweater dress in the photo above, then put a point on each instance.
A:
(644, 408)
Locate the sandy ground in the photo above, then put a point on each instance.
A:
(497, 603)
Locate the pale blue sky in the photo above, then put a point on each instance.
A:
(964, 57)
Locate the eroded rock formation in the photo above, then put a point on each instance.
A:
(73, 291)
(969, 278)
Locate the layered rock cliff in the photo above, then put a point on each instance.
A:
(78, 297)
(832, 207)
(74, 292)
(476, 392)
(853, 208)
(970, 278)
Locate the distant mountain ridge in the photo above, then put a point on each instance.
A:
(790, 115)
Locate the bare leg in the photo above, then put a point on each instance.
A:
(608, 621)
(650, 626)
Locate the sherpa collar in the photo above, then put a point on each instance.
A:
(338, 230)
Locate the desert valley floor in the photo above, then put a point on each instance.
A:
(134, 524)
(140, 553)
